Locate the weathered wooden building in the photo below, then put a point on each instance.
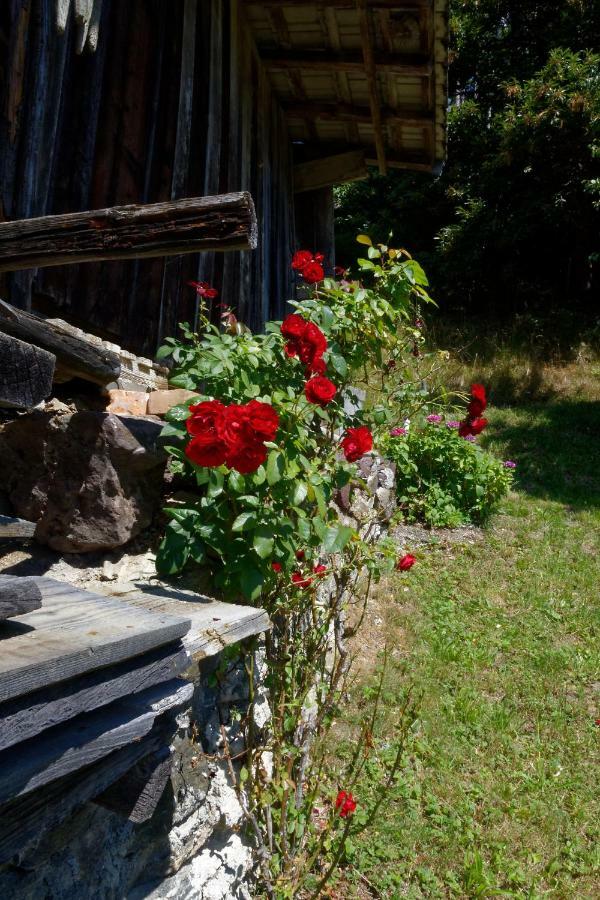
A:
(105, 102)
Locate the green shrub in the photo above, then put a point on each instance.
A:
(444, 480)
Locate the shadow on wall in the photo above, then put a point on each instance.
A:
(557, 447)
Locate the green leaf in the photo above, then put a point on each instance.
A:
(300, 493)
(263, 542)
(163, 352)
(251, 582)
(178, 413)
(244, 521)
(216, 481)
(275, 467)
(364, 239)
(339, 364)
(174, 551)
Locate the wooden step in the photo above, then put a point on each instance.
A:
(76, 632)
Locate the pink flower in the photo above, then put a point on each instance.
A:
(434, 418)
(509, 464)
(397, 432)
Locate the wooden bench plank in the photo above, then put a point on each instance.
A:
(24, 717)
(25, 820)
(75, 632)
(18, 596)
(11, 527)
(214, 624)
(137, 794)
(86, 739)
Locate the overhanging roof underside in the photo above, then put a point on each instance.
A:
(359, 73)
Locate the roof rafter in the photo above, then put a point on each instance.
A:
(371, 73)
(362, 114)
(401, 64)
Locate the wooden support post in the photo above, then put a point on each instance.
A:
(225, 222)
(26, 373)
(371, 73)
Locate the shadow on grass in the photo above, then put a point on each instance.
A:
(557, 448)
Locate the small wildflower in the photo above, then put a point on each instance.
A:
(397, 432)
(509, 464)
(470, 438)
(452, 424)
(434, 418)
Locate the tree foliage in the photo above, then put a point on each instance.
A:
(513, 220)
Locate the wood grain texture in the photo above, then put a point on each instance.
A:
(214, 624)
(85, 740)
(18, 596)
(75, 356)
(11, 527)
(26, 373)
(76, 632)
(225, 222)
(137, 794)
(329, 170)
(25, 820)
(24, 717)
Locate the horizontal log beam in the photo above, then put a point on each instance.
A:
(225, 222)
(75, 357)
(395, 159)
(409, 6)
(328, 170)
(346, 112)
(402, 64)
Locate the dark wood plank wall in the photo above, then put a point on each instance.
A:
(173, 103)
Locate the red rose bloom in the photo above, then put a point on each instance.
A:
(312, 345)
(345, 804)
(406, 562)
(204, 417)
(300, 554)
(477, 425)
(313, 272)
(206, 450)
(340, 270)
(320, 390)
(320, 569)
(301, 259)
(246, 459)
(276, 566)
(357, 442)
(300, 580)
(203, 289)
(292, 327)
(263, 419)
(317, 367)
(304, 340)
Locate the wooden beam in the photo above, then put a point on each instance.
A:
(402, 64)
(396, 5)
(137, 794)
(371, 73)
(337, 169)
(395, 160)
(347, 112)
(26, 373)
(75, 357)
(59, 703)
(18, 596)
(225, 222)
(11, 527)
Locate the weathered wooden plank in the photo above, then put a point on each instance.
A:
(81, 743)
(26, 373)
(315, 60)
(371, 74)
(18, 596)
(25, 820)
(75, 356)
(11, 527)
(225, 222)
(137, 794)
(397, 5)
(24, 717)
(214, 625)
(75, 632)
(328, 170)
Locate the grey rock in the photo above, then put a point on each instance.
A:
(90, 480)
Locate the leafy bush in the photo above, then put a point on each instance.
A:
(443, 479)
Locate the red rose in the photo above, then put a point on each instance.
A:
(320, 390)
(475, 408)
(477, 425)
(313, 272)
(300, 580)
(233, 427)
(340, 270)
(206, 450)
(345, 803)
(246, 459)
(276, 566)
(319, 569)
(205, 416)
(300, 259)
(478, 393)
(300, 554)
(317, 367)
(357, 442)
(263, 419)
(406, 562)
(203, 289)
(313, 344)
(293, 327)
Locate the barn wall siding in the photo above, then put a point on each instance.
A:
(174, 102)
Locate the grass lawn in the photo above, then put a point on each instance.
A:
(499, 795)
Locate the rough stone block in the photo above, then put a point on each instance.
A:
(128, 403)
(160, 402)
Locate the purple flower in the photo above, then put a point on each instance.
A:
(434, 418)
(397, 432)
(452, 424)
(509, 464)
(470, 438)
